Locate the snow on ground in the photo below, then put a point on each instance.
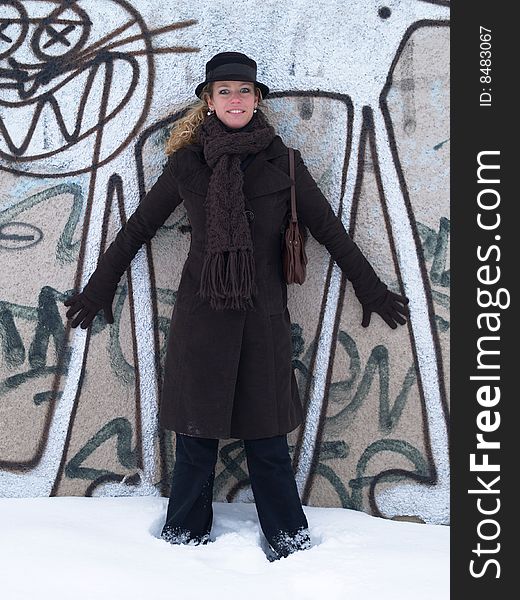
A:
(109, 549)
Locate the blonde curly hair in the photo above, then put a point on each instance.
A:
(184, 130)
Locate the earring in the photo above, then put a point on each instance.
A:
(210, 112)
(254, 110)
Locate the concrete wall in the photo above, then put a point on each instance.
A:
(362, 89)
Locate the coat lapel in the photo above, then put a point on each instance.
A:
(262, 177)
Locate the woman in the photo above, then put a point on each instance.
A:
(228, 370)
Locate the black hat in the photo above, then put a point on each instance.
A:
(231, 66)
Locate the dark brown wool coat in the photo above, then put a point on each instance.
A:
(229, 373)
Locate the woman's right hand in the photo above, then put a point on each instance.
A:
(85, 310)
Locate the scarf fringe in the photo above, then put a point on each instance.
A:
(228, 279)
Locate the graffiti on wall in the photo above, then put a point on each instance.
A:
(87, 92)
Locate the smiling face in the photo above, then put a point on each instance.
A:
(234, 102)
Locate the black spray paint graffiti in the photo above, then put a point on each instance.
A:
(69, 70)
(69, 80)
(374, 127)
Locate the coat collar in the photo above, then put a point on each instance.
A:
(261, 177)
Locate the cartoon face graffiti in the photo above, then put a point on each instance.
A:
(66, 87)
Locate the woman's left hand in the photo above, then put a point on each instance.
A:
(391, 309)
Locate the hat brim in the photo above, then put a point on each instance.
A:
(263, 88)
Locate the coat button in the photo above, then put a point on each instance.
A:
(250, 215)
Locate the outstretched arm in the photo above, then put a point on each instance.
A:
(316, 213)
(152, 212)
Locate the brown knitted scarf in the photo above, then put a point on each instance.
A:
(228, 271)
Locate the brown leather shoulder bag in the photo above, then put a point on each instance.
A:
(294, 255)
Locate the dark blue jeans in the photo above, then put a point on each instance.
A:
(190, 514)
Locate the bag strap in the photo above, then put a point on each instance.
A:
(294, 217)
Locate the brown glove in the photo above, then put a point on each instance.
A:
(389, 309)
(85, 310)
